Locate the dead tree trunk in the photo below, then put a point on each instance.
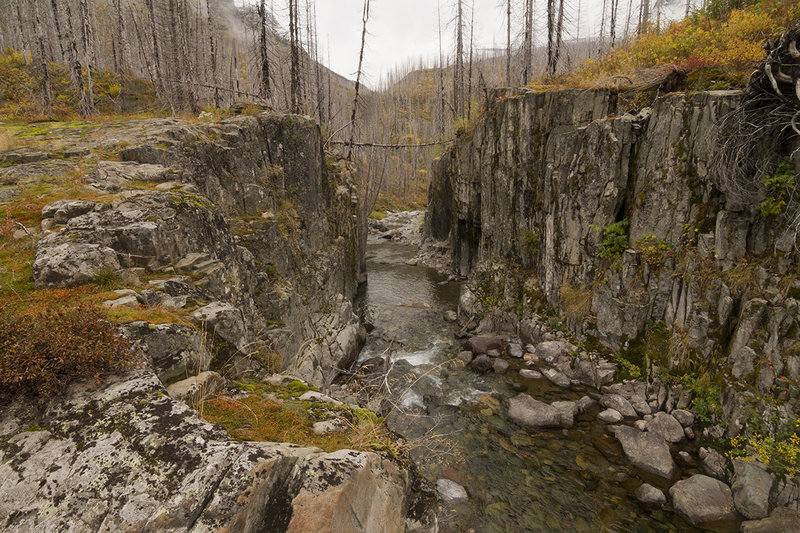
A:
(364, 19)
(294, 43)
(212, 45)
(527, 68)
(508, 43)
(47, 94)
(87, 49)
(471, 50)
(57, 26)
(120, 55)
(458, 74)
(266, 91)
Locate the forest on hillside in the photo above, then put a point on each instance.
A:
(185, 57)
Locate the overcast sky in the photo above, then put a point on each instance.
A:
(405, 30)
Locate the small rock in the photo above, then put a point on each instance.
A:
(551, 351)
(530, 358)
(702, 499)
(328, 427)
(641, 425)
(125, 301)
(515, 350)
(584, 404)
(500, 366)
(450, 316)
(314, 396)
(650, 495)
(686, 418)
(493, 353)
(610, 416)
(689, 432)
(527, 373)
(450, 491)
(465, 357)
(482, 364)
(686, 459)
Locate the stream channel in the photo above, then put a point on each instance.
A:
(454, 419)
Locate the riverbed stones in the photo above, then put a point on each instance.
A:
(533, 414)
(450, 491)
(782, 520)
(619, 404)
(528, 373)
(702, 499)
(648, 494)
(645, 450)
(667, 426)
(515, 350)
(751, 489)
(610, 416)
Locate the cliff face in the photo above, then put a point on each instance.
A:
(543, 177)
(243, 234)
(249, 210)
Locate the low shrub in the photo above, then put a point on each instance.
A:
(42, 352)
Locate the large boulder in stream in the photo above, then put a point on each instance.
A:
(645, 450)
(702, 500)
(481, 345)
(533, 414)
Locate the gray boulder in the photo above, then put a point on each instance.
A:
(556, 378)
(645, 450)
(714, 464)
(751, 488)
(197, 388)
(527, 373)
(649, 494)
(481, 345)
(71, 264)
(686, 418)
(666, 426)
(702, 499)
(551, 351)
(533, 414)
(63, 211)
(500, 366)
(450, 491)
(610, 416)
(619, 404)
(225, 321)
(782, 520)
(482, 364)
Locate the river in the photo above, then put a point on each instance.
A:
(454, 421)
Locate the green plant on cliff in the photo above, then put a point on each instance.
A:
(780, 189)
(779, 451)
(531, 238)
(41, 352)
(614, 240)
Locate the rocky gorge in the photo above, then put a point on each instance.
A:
(599, 233)
(234, 250)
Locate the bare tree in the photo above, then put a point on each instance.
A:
(212, 46)
(47, 94)
(508, 43)
(294, 43)
(527, 67)
(364, 19)
(458, 73)
(266, 91)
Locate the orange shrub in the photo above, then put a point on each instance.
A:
(42, 352)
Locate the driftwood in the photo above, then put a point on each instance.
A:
(779, 73)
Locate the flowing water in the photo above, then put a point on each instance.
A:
(557, 480)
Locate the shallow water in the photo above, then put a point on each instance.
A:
(517, 481)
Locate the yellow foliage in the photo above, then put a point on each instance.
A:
(732, 44)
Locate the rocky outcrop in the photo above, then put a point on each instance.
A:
(539, 182)
(701, 500)
(270, 238)
(125, 456)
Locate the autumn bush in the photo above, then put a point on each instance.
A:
(43, 351)
(729, 41)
